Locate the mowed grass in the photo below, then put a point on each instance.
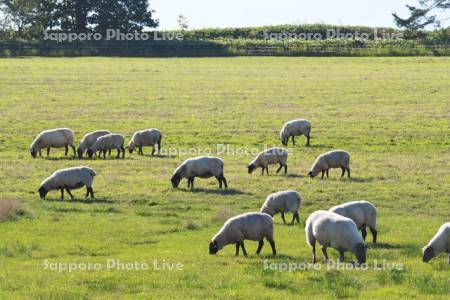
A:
(391, 114)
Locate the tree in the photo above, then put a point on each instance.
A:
(424, 15)
(182, 22)
(126, 15)
(73, 15)
(22, 13)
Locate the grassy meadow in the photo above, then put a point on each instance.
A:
(391, 114)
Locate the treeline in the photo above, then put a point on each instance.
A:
(27, 19)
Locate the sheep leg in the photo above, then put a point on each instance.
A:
(118, 153)
(87, 192)
(67, 150)
(40, 153)
(48, 151)
(260, 245)
(308, 138)
(237, 248)
(219, 179)
(343, 172)
(104, 153)
(348, 172)
(272, 245)
(293, 218)
(109, 152)
(262, 171)
(123, 151)
(313, 245)
(243, 248)
(325, 254)
(374, 234)
(62, 194)
(159, 146)
(327, 173)
(282, 216)
(153, 150)
(142, 152)
(285, 169)
(278, 170)
(73, 148)
(189, 182)
(293, 140)
(192, 183)
(70, 194)
(297, 217)
(323, 173)
(224, 181)
(364, 232)
(267, 170)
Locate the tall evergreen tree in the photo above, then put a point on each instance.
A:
(424, 15)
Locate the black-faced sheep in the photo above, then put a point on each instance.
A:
(440, 243)
(269, 157)
(249, 226)
(363, 213)
(335, 231)
(331, 160)
(295, 128)
(281, 202)
(53, 138)
(68, 179)
(203, 167)
(146, 137)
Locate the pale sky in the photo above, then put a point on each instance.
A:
(241, 13)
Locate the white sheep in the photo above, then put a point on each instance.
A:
(203, 167)
(331, 160)
(56, 138)
(252, 226)
(268, 157)
(295, 128)
(363, 213)
(146, 137)
(69, 179)
(335, 231)
(440, 243)
(106, 143)
(281, 202)
(89, 139)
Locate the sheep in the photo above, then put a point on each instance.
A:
(252, 226)
(108, 142)
(203, 167)
(267, 157)
(89, 140)
(146, 137)
(363, 213)
(332, 230)
(56, 138)
(69, 179)
(295, 128)
(281, 202)
(331, 160)
(440, 243)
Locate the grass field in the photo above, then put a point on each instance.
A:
(391, 114)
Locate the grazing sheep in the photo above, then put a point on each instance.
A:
(363, 213)
(89, 139)
(331, 160)
(69, 179)
(295, 128)
(56, 138)
(268, 157)
(281, 202)
(146, 137)
(333, 230)
(203, 167)
(108, 142)
(252, 226)
(440, 243)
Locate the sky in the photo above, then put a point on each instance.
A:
(242, 13)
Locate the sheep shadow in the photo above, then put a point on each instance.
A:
(83, 201)
(67, 158)
(296, 176)
(384, 246)
(160, 156)
(217, 191)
